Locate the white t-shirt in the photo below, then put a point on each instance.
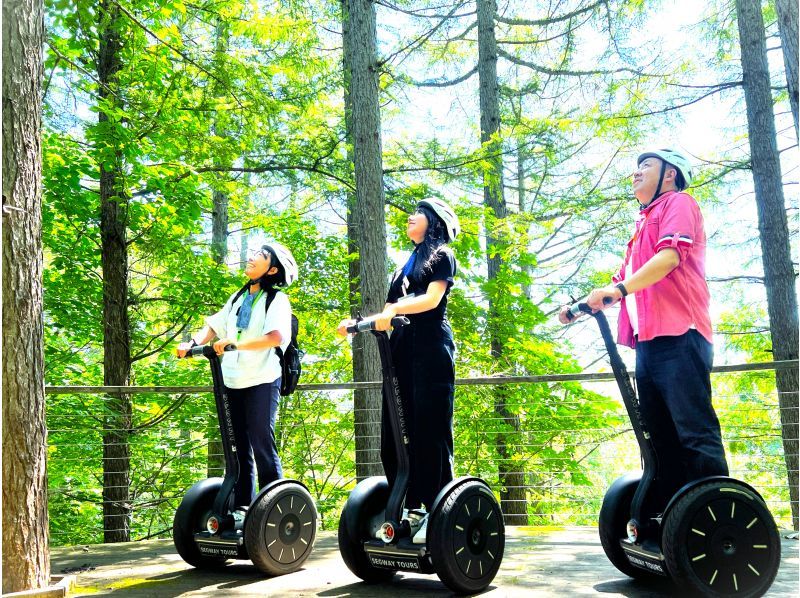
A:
(243, 369)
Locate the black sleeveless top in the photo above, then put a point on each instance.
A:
(442, 267)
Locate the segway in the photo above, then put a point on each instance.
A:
(465, 536)
(280, 525)
(714, 536)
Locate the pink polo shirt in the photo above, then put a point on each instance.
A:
(680, 300)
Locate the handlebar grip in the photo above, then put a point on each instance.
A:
(577, 309)
(206, 351)
(361, 326)
(365, 325)
(196, 351)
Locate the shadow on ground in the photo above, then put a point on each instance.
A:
(537, 562)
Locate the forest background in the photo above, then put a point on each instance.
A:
(178, 136)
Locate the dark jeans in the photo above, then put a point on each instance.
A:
(674, 387)
(253, 411)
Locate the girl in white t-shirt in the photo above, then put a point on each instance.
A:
(252, 373)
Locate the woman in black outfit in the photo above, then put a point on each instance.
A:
(423, 355)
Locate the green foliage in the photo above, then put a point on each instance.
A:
(246, 100)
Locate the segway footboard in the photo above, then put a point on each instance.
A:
(403, 556)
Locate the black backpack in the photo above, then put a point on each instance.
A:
(291, 358)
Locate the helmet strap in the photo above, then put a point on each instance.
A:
(658, 187)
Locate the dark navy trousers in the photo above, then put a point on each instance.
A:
(254, 411)
(674, 387)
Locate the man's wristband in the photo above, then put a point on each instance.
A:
(622, 289)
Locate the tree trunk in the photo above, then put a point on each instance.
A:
(26, 561)
(363, 123)
(773, 230)
(114, 259)
(522, 174)
(512, 491)
(219, 227)
(787, 27)
(215, 456)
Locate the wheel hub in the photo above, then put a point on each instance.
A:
(290, 529)
(726, 541)
(729, 547)
(476, 536)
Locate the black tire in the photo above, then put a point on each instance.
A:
(466, 538)
(614, 516)
(280, 529)
(190, 518)
(365, 501)
(719, 539)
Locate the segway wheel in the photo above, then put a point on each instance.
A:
(191, 518)
(721, 540)
(614, 516)
(365, 502)
(466, 538)
(280, 529)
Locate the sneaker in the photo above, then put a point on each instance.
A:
(414, 518)
(238, 518)
(421, 535)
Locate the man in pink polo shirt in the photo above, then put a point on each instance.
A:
(665, 317)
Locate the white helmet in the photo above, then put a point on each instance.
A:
(445, 212)
(285, 259)
(676, 159)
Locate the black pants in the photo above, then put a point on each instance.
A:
(426, 373)
(253, 411)
(674, 387)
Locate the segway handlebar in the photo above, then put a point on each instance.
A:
(576, 309)
(366, 325)
(205, 351)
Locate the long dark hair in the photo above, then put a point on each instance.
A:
(435, 237)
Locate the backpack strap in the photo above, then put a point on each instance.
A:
(238, 294)
(270, 298)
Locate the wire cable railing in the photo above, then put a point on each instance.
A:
(550, 456)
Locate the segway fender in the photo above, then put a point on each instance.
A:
(621, 486)
(201, 488)
(371, 490)
(445, 492)
(695, 483)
